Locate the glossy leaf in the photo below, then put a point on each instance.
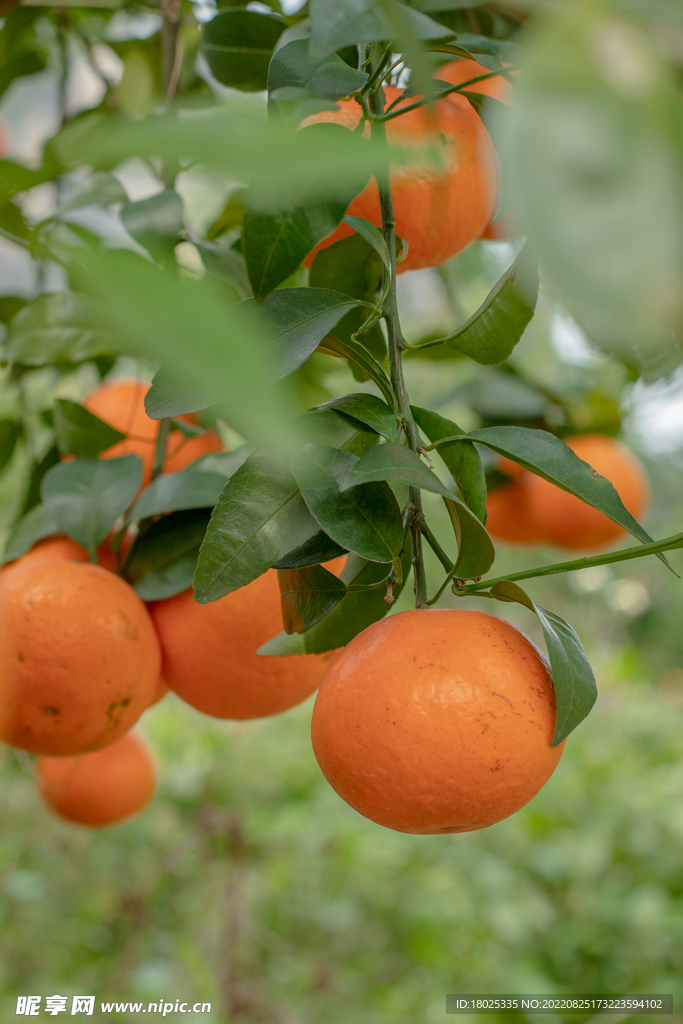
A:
(339, 23)
(357, 611)
(476, 553)
(331, 78)
(364, 519)
(334, 428)
(86, 497)
(62, 328)
(460, 457)
(79, 432)
(368, 409)
(490, 334)
(573, 679)
(307, 595)
(162, 561)
(10, 432)
(392, 461)
(155, 222)
(358, 354)
(189, 488)
(34, 526)
(238, 46)
(319, 548)
(260, 517)
(296, 321)
(548, 457)
(171, 394)
(38, 470)
(371, 234)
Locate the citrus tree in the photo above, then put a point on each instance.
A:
(393, 136)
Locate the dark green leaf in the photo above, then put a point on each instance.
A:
(280, 230)
(573, 679)
(86, 497)
(34, 526)
(364, 519)
(16, 178)
(260, 517)
(173, 491)
(392, 461)
(550, 458)
(330, 78)
(460, 457)
(38, 471)
(62, 328)
(162, 561)
(476, 553)
(352, 266)
(334, 428)
(238, 46)
(357, 353)
(339, 23)
(227, 265)
(307, 595)
(357, 611)
(9, 307)
(319, 548)
(371, 234)
(491, 333)
(368, 409)
(80, 433)
(155, 222)
(296, 321)
(26, 64)
(171, 394)
(10, 432)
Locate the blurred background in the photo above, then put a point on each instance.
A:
(248, 883)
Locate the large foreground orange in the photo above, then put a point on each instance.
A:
(437, 721)
(100, 788)
(121, 404)
(442, 207)
(79, 658)
(210, 659)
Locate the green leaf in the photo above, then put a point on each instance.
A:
(100, 189)
(10, 432)
(34, 526)
(223, 463)
(357, 611)
(238, 46)
(189, 488)
(9, 307)
(38, 470)
(260, 517)
(490, 334)
(62, 328)
(364, 519)
(476, 553)
(392, 461)
(280, 231)
(320, 548)
(548, 457)
(352, 266)
(331, 78)
(227, 265)
(573, 679)
(339, 23)
(16, 178)
(371, 234)
(78, 432)
(162, 561)
(368, 409)
(171, 394)
(86, 497)
(307, 595)
(460, 457)
(334, 428)
(296, 321)
(155, 223)
(358, 354)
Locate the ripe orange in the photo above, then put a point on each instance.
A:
(79, 658)
(100, 788)
(532, 511)
(120, 403)
(437, 721)
(209, 653)
(61, 546)
(438, 212)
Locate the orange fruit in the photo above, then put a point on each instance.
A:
(61, 546)
(102, 787)
(161, 690)
(438, 210)
(209, 653)
(437, 721)
(532, 511)
(121, 404)
(79, 658)
(565, 520)
(457, 71)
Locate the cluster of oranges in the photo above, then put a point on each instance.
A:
(427, 722)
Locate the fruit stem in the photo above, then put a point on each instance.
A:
(396, 342)
(160, 447)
